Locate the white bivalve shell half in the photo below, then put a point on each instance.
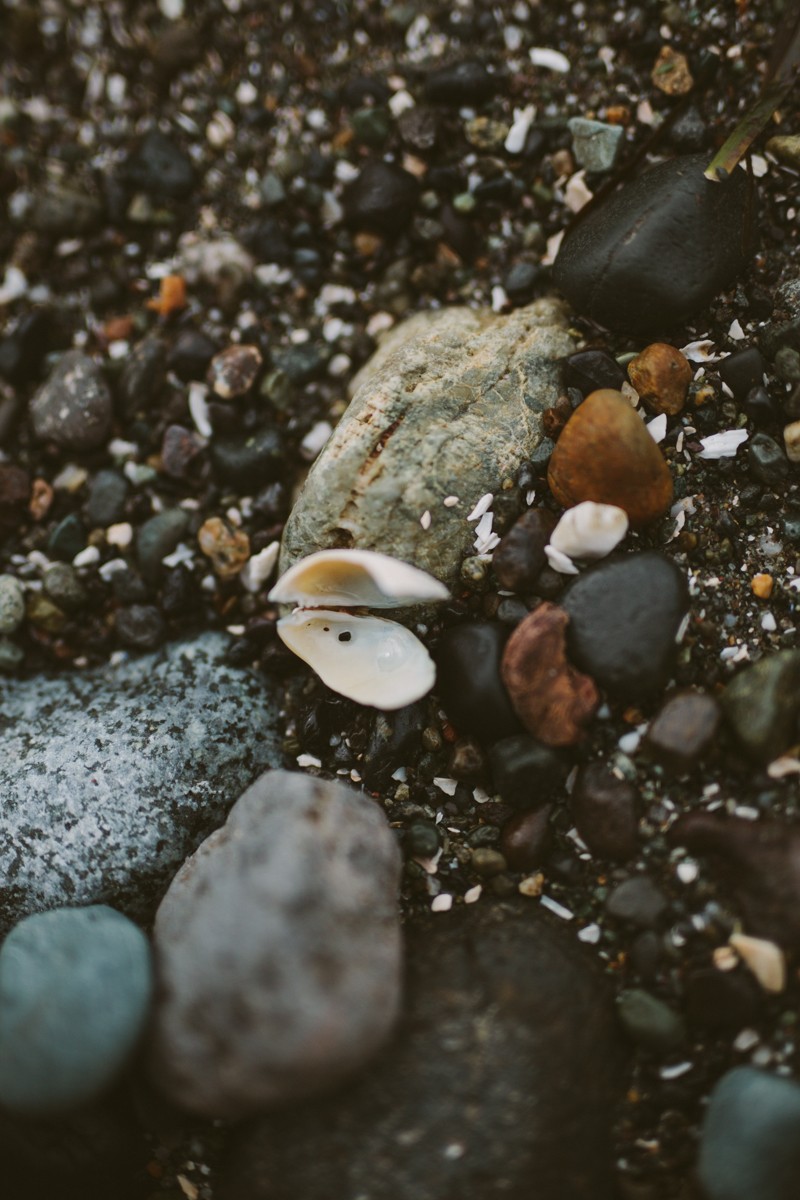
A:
(588, 531)
(356, 579)
(368, 659)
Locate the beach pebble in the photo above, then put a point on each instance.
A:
(750, 1143)
(661, 376)
(469, 683)
(648, 1021)
(382, 199)
(637, 901)
(624, 616)
(595, 144)
(464, 83)
(553, 700)
(762, 702)
(520, 557)
(499, 1005)
(12, 604)
(605, 454)
(742, 371)
(525, 772)
(683, 730)
(590, 370)
(75, 988)
(73, 408)
(233, 371)
(525, 838)
(605, 811)
(278, 950)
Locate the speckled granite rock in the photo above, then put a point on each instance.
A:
(278, 950)
(450, 405)
(111, 777)
(500, 1083)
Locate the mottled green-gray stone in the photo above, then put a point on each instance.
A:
(75, 989)
(649, 1021)
(450, 405)
(12, 604)
(157, 538)
(761, 704)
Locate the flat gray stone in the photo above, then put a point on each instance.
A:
(278, 950)
(110, 777)
(450, 405)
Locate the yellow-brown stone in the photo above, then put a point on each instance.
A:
(661, 376)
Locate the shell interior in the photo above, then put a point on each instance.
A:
(356, 578)
(368, 659)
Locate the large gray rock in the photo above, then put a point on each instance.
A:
(450, 405)
(110, 777)
(501, 1082)
(278, 950)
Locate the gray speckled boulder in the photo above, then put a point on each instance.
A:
(278, 950)
(500, 1083)
(450, 405)
(110, 777)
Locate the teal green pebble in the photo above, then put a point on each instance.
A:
(75, 991)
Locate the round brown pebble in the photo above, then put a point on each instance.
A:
(684, 729)
(233, 371)
(228, 548)
(606, 454)
(604, 809)
(520, 557)
(661, 376)
(552, 699)
(525, 837)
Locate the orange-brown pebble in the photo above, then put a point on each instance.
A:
(552, 699)
(227, 547)
(606, 454)
(762, 585)
(171, 296)
(661, 376)
(671, 73)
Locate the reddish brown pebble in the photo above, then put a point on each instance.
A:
(606, 454)
(661, 376)
(41, 499)
(683, 730)
(525, 837)
(228, 548)
(604, 808)
(520, 557)
(178, 450)
(233, 371)
(551, 698)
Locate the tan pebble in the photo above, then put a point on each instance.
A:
(763, 958)
(552, 699)
(606, 454)
(725, 958)
(532, 885)
(233, 371)
(41, 499)
(661, 376)
(228, 549)
(791, 440)
(762, 586)
(671, 73)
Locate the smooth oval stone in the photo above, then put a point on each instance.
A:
(278, 950)
(469, 682)
(683, 730)
(605, 454)
(661, 376)
(625, 615)
(518, 560)
(526, 772)
(762, 704)
(659, 249)
(505, 1062)
(75, 988)
(605, 812)
(649, 1021)
(73, 407)
(750, 1144)
(381, 199)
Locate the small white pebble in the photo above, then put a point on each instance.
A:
(87, 557)
(675, 1070)
(560, 562)
(576, 194)
(246, 93)
(768, 623)
(425, 520)
(400, 102)
(764, 959)
(551, 60)
(315, 439)
(472, 894)
(687, 870)
(657, 428)
(258, 568)
(499, 299)
(450, 501)
(220, 130)
(339, 365)
(442, 903)
(120, 535)
(589, 934)
(308, 760)
(745, 1040)
(736, 332)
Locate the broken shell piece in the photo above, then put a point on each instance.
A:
(587, 531)
(764, 959)
(356, 578)
(368, 659)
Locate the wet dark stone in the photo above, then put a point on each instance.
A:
(520, 557)
(419, 128)
(108, 491)
(363, 88)
(191, 354)
(645, 954)
(525, 838)
(15, 491)
(67, 539)
(742, 371)
(604, 809)
(637, 901)
(657, 251)
(268, 242)
(690, 131)
(768, 462)
(469, 683)
(22, 351)
(421, 840)
(791, 525)
(520, 282)
(142, 377)
(73, 407)
(157, 538)
(721, 1000)
(60, 211)
(394, 739)
(506, 1053)
(465, 83)
(300, 364)
(249, 460)
(526, 772)
(179, 449)
(459, 233)
(179, 596)
(140, 627)
(683, 730)
(382, 199)
(589, 370)
(760, 407)
(750, 1143)
(624, 615)
(159, 167)
(762, 703)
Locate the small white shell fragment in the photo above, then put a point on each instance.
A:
(448, 786)
(722, 445)
(552, 60)
(577, 194)
(553, 247)
(315, 439)
(442, 903)
(657, 428)
(588, 531)
(450, 501)
(701, 351)
(735, 331)
(359, 578)
(425, 520)
(517, 134)
(472, 894)
(258, 568)
(560, 562)
(764, 959)
(368, 659)
(483, 506)
(791, 440)
(589, 934)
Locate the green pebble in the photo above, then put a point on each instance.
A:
(649, 1021)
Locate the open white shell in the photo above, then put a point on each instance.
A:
(356, 578)
(368, 659)
(589, 531)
